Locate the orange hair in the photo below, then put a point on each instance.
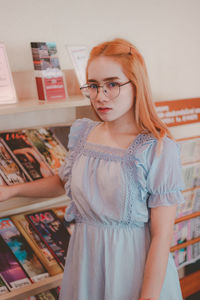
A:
(134, 68)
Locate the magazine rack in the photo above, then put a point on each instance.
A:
(29, 112)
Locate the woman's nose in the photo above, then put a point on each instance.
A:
(101, 95)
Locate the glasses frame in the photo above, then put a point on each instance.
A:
(101, 86)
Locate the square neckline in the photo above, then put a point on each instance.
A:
(105, 147)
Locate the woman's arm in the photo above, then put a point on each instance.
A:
(162, 224)
(51, 186)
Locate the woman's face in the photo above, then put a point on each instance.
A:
(104, 69)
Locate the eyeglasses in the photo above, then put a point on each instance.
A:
(110, 89)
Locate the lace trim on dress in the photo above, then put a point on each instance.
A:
(112, 153)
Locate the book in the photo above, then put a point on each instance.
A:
(26, 155)
(52, 231)
(48, 75)
(9, 170)
(10, 270)
(49, 146)
(38, 246)
(3, 286)
(22, 251)
(7, 88)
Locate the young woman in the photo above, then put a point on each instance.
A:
(123, 175)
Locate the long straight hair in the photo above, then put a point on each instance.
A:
(133, 66)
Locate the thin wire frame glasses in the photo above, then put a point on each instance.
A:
(110, 89)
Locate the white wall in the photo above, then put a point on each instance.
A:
(167, 32)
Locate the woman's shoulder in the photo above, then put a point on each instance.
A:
(149, 147)
(78, 129)
(148, 140)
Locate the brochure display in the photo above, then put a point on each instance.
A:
(48, 75)
(7, 89)
(79, 56)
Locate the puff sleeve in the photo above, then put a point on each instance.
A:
(164, 179)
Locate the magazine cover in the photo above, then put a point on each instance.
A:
(21, 249)
(3, 286)
(26, 155)
(52, 231)
(38, 246)
(49, 146)
(60, 212)
(10, 269)
(9, 170)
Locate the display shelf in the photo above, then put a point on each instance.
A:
(33, 289)
(190, 284)
(22, 204)
(34, 113)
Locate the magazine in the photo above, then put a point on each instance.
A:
(182, 234)
(10, 270)
(186, 208)
(52, 231)
(196, 206)
(51, 295)
(191, 175)
(26, 155)
(49, 146)
(190, 150)
(3, 286)
(9, 170)
(60, 212)
(38, 246)
(21, 249)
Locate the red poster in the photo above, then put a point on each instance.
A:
(179, 112)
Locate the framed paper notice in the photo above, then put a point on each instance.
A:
(79, 56)
(7, 89)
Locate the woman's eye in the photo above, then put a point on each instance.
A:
(112, 84)
(92, 86)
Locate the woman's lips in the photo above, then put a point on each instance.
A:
(104, 109)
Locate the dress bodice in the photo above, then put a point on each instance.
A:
(116, 187)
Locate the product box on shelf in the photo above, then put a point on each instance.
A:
(49, 77)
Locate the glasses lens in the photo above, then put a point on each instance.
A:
(111, 89)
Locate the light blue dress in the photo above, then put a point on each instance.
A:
(111, 191)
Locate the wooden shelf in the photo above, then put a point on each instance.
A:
(184, 245)
(33, 113)
(187, 217)
(33, 289)
(21, 205)
(190, 284)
